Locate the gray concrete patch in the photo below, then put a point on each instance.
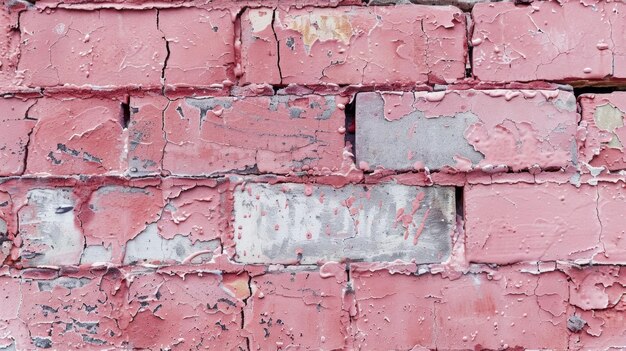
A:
(285, 223)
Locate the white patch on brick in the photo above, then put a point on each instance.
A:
(284, 223)
(150, 247)
(48, 230)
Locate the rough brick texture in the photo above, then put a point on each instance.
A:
(464, 130)
(354, 45)
(541, 42)
(312, 175)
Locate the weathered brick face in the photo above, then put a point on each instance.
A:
(314, 175)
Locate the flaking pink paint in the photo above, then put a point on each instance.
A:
(356, 45)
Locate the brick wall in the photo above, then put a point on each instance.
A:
(315, 175)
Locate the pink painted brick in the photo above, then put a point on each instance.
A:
(114, 215)
(506, 309)
(201, 46)
(597, 293)
(69, 223)
(197, 311)
(611, 206)
(8, 227)
(259, 54)
(297, 310)
(15, 131)
(96, 48)
(196, 209)
(113, 309)
(356, 45)
(467, 129)
(507, 223)
(542, 42)
(604, 133)
(9, 45)
(146, 138)
(74, 311)
(75, 136)
(277, 134)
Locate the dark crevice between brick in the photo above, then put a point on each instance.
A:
(280, 72)
(29, 137)
(125, 113)
(243, 315)
(350, 125)
(458, 197)
(278, 88)
(597, 90)
(167, 52)
(470, 48)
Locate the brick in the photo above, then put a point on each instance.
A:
(604, 132)
(508, 223)
(74, 136)
(47, 229)
(68, 312)
(285, 223)
(597, 292)
(542, 42)
(198, 210)
(277, 134)
(611, 204)
(7, 226)
(9, 47)
(146, 140)
(96, 48)
(103, 310)
(59, 225)
(477, 311)
(200, 44)
(296, 310)
(259, 54)
(199, 311)
(356, 45)
(114, 216)
(16, 129)
(465, 130)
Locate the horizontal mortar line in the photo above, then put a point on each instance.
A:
(282, 178)
(316, 89)
(476, 268)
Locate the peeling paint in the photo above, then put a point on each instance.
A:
(282, 224)
(482, 129)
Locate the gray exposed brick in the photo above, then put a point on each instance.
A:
(284, 223)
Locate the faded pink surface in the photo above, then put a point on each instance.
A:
(506, 309)
(542, 42)
(195, 209)
(99, 48)
(115, 214)
(14, 130)
(296, 310)
(77, 136)
(604, 132)
(200, 45)
(97, 310)
(518, 129)
(359, 45)
(597, 295)
(274, 134)
(145, 135)
(60, 221)
(508, 223)
(522, 222)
